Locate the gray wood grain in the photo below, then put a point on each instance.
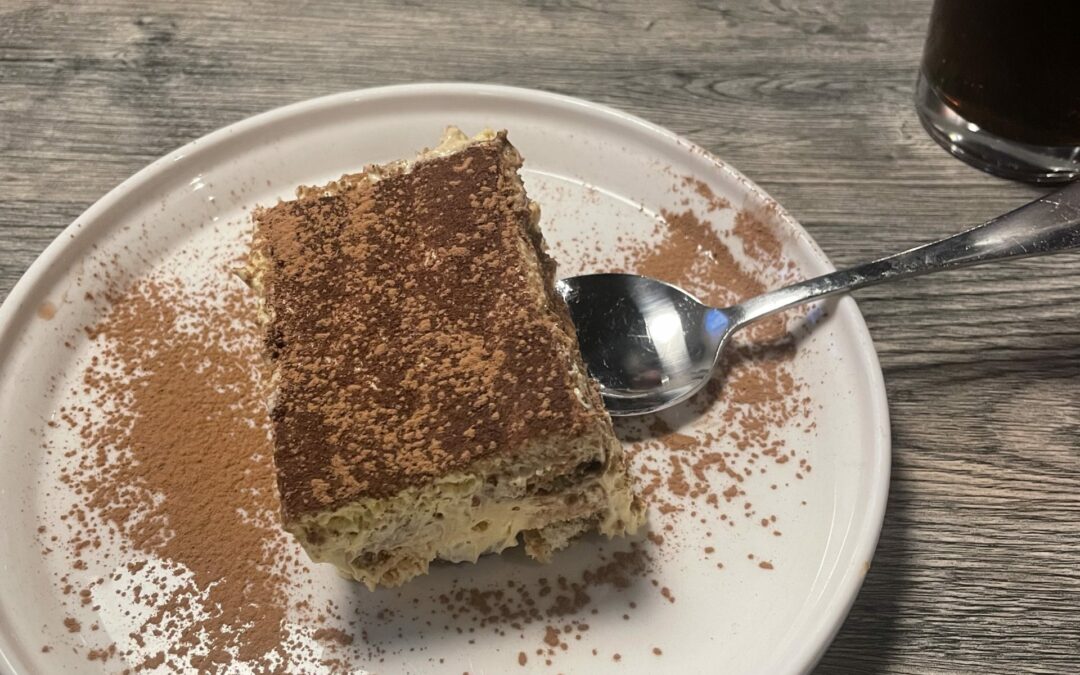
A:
(978, 570)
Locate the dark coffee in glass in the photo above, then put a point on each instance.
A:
(1000, 85)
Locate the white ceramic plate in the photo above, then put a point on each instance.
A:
(597, 172)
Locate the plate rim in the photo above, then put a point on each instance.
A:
(810, 650)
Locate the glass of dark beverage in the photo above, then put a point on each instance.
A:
(1000, 86)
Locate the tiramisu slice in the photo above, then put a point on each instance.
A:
(429, 398)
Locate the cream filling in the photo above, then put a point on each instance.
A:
(458, 518)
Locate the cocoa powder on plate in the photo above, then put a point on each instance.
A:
(176, 460)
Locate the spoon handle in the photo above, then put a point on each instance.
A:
(1047, 225)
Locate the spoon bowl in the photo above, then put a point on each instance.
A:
(649, 345)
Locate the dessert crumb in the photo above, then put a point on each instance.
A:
(666, 592)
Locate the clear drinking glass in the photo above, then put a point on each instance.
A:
(1000, 86)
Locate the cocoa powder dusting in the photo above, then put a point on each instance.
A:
(692, 255)
(683, 472)
(713, 202)
(758, 239)
(176, 461)
(333, 635)
(551, 636)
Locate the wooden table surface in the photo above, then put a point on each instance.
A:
(978, 569)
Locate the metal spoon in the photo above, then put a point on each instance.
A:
(652, 345)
